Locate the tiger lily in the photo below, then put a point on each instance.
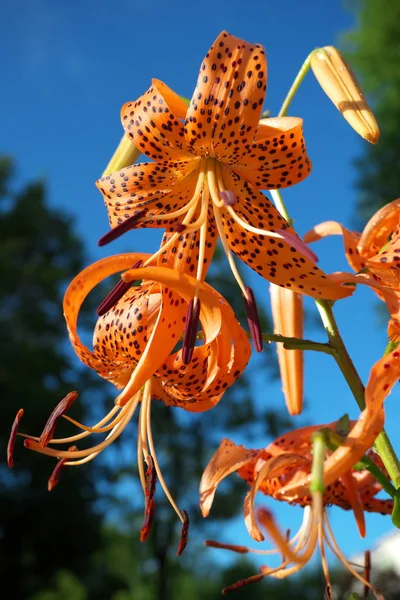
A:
(283, 471)
(209, 161)
(373, 255)
(280, 471)
(287, 315)
(133, 348)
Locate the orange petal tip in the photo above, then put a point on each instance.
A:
(341, 86)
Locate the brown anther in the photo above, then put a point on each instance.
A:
(228, 197)
(367, 572)
(179, 227)
(116, 293)
(242, 582)
(232, 547)
(54, 478)
(13, 437)
(191, 327)
(148, 520)
(184, 533)
(253, 319)
(328, 592)
(122, 228)
(151, 478)
(287, 540)
(62, 407)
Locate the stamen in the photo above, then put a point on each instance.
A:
(367, 572)
(191, 327)
(328, 592)
(98, 428)
(242, 582)
(227, 250)
(179, 227)
(148, 520)
(62, 407)
(54, 478)
(13, 437)
(147, 401)
(228, 197)
(116, 293)
(253, 319)
(151, 478)
(184, 533)
(122, 228)
(232, 547)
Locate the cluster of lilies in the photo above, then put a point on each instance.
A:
(164, 334)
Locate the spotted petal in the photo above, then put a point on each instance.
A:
(350, 241)
(154, 123)
(226, 105)
(277, 158)
(274, 259)
(159, 188)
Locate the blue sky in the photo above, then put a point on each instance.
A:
(68, 69)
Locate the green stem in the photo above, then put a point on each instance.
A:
(382, 442)
(297, 344)
(295, 85)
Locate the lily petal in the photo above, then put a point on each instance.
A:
(280, 263)
(152, 126)
(228, 458)
(379, 228)
(159, 188)
(227, 102)
(279, 158)
(350, 241)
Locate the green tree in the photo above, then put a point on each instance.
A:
(374, 51)
(40, 533)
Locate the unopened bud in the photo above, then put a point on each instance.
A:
(341, 86)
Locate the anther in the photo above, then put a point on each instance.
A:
(13, 437)
(367, 572)
(231, 547)
(122, 228)
(253, 319)
(54, 478)
(228, 197)
(148, 520)
(191, 327)
(328, 592)
(116, 293)
(184, 533)
(62, 407)
(151, 478)
(242, 582)
(179, 227)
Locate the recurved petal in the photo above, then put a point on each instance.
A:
(274, 467)
(287, 315)
(281, 263)
(78, 290)
(386, 264)
(228, 458)
(277, 158)
(158, 188)
(379, 228)
(160, 344)
(351, 239)
(153, 126)
(341, 86)
(226, 105)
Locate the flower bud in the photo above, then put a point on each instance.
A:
(341, 86)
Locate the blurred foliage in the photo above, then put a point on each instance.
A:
(373, 50)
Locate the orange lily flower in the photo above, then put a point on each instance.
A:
(283, 472)
(133, 348)
(209, 162)
(287, 315)
(373, 255)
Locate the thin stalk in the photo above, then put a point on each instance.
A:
(295, 85)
